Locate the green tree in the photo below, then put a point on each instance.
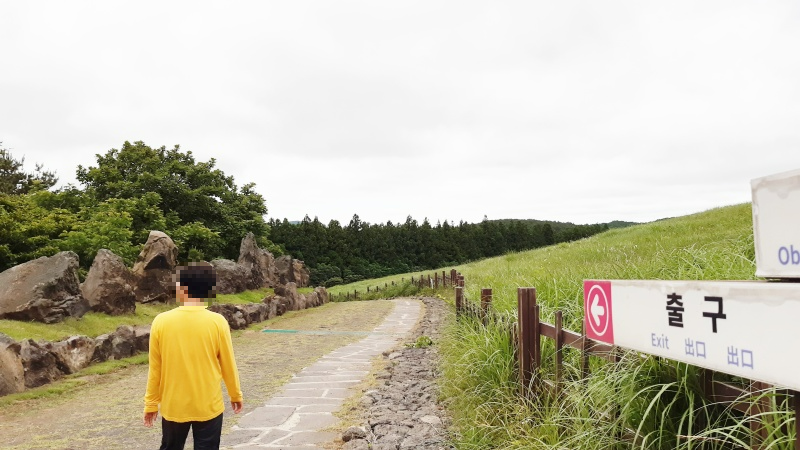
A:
(107, 225)
(13, 180)
(199, 205)
(28, 230)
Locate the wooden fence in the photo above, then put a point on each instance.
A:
(434, 281)
(526, 335)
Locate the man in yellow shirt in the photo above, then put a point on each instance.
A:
(190, 352)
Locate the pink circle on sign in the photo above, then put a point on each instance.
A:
(597, 310)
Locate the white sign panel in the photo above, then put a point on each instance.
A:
(745, 328)
(776, 225)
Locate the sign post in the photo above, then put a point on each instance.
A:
(744, 328)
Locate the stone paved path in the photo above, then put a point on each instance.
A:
(293, 418)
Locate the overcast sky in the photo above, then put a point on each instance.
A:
(582, 111)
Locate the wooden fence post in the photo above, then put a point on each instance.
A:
(758, 432)
(537, 343)
(459, 299)
(586, 347)
(559, 348)
(525, 305)
(452, 277)
(486, 301)
(796, 403)
(444, 280)
(436, 280)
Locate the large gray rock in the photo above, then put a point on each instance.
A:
(12, 374)
(258, 264)
(232, 277)
(290, 270)
(39, 364)
(288, 296)
(231, 313)
(154, 269)
(254, 312)
(272, 302)
(141, 334)
(72, 354)
(324, 297)
(310, 300)
(102, 348)
(109, 285)
(122, 343)
(45, 290)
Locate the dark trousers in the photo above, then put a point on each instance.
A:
(205, 434)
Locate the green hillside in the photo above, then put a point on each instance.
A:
(659, 402)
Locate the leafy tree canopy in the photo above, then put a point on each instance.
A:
(13, 180)
(194, 202)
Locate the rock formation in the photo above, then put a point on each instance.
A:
(45, 289)
(258, 264)
(288, 296)
(231, 276)
(12, 374)
(39, 364)
(290, 270)
(109, 285)
(72, 354)
(154, 269)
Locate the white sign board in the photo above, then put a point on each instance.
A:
(776, 225)
(744, 328)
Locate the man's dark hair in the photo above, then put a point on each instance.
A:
(199, 279)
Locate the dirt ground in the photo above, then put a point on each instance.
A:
(106, 413)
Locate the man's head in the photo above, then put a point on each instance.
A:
(198, 281)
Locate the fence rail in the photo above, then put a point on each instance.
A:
(526, 334)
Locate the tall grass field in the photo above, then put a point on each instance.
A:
(642, 402)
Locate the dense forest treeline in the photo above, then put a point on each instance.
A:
(342, 254)
(134, 189)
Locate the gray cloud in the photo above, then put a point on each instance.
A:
(579, 111)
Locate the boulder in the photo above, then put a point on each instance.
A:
(154, 269)
(290, 270)
(72, 354)
(109, 285)
(289, 296)
(12, 373)
(102, 348)
(141, 337)
(271, 301)
(39, 364)
(323, 295)
(231, 313)
(45, 290)
(232, 277)
(255, 312)
(310, 300)
(257, 263)
(123, 342)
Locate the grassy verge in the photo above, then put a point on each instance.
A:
(70, 382)
(93, 324)
(644, 402)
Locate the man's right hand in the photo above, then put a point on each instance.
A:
(237, 407)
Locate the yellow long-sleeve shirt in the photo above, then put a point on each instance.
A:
(190, 352)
